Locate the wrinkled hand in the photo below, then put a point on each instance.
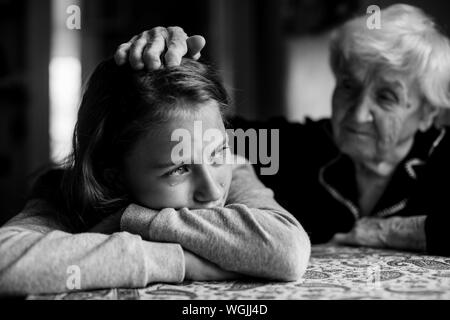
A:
(147, 48)
(405, 233)
(371, 232)
(199, 269)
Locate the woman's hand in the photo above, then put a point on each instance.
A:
(146, 49)
(199, 269)
(405, 233)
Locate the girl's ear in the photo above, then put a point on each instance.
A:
(429, 114)
(114, 179)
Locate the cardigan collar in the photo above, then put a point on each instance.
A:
(339, 179)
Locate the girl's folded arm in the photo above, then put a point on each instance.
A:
(40, 256)
(251, 235)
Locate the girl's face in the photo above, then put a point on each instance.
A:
(200, 178)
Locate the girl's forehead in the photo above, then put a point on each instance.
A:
(189, 116)
(187, 127)
(193, 120)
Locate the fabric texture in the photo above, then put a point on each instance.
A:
(334, 273)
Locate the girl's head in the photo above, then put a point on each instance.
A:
(123, 150)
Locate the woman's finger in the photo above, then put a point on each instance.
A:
(152, 52)
(195, 44)
(121, 54)
(176, 46)
(135, 52)
(343, 238)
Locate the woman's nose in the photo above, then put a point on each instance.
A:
(207, 189)
(362, 111)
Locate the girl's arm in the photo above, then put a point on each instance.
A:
(39, 256)
(251, 235)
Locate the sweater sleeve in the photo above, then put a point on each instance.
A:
(39, 256)
(251, 235)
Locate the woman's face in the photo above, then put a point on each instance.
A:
(375, 116)
(195, 178)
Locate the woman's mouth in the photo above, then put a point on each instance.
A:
(359, 131)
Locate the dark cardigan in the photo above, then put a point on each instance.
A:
(317, 184)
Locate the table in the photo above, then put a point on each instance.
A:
(334, 272)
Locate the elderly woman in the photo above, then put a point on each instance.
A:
(375, 174)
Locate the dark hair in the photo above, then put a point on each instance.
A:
(118, 107)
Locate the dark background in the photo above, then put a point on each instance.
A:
(250, 41)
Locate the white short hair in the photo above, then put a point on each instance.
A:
(408, 42)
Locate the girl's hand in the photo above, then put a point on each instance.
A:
(406, 233)
(145, 49)
(199, 269)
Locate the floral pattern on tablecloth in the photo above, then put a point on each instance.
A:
(334, 272)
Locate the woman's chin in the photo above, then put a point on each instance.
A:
(361, 153)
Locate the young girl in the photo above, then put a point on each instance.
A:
(123, 213)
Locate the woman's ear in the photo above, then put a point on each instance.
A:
(429, 114)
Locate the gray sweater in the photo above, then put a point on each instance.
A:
(251, 235)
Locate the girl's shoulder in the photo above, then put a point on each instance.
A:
(43, 204)
(47, 184)
(48, 188)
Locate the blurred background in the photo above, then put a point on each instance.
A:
(273, 55)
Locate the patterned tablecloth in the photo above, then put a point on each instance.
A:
(335, 272)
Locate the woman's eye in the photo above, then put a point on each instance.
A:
(347, 84)
(178, 171)
(387, 96)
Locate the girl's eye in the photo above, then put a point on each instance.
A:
(219, 157)
(178, 171)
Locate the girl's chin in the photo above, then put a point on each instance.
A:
(220, 204)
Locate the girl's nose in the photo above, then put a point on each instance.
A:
(206, 189)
